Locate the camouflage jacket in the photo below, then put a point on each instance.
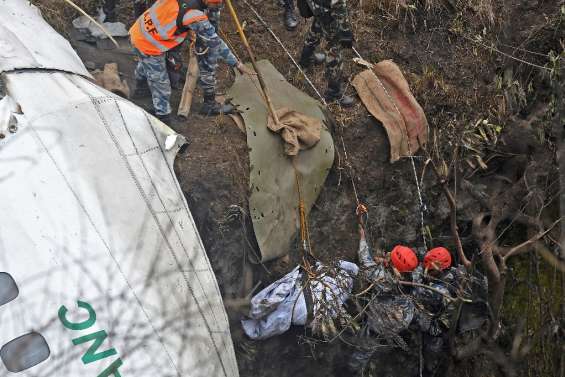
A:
(208, 42)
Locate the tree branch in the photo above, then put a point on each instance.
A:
(514, 250)
(453, 211)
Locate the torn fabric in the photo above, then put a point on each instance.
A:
(385, 93)
(276, 307)
(299, 131)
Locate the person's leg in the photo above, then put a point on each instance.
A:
(207, 82)
(155, 69)
(141, 86)
(334, 67)
(311, 42)
(290, 21)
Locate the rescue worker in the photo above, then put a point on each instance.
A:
(390, 310)
(435, 309)
(164, 26)
(330, 22)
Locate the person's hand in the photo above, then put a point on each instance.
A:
(245, 70)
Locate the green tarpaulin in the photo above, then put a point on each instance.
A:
(273, 200)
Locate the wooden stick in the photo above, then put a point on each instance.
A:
(253, 62)
(189, 85)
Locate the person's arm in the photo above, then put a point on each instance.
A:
(217, 47)
(364, 252)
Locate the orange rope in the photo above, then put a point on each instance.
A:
(304, 232)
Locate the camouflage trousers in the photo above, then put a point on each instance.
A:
(327, 29)
(207, 64)
(154, 70)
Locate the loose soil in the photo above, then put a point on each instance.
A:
(450, 78)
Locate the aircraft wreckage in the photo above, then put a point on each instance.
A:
(102, 270)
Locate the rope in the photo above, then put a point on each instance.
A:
(411, 156)
(322, 99)
(304, 231)
(422, 206)
(264, 23)
(72, 4)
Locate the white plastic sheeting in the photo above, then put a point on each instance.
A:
(276, 307)
(92, 211)
(283, 303)
(85, 25)
(27, 41)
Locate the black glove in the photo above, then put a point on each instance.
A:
(345, 38)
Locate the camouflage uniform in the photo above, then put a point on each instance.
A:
(389, 314)
(209, 48)
(153, 69)
(330, 22)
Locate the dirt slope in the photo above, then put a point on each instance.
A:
(453, 78)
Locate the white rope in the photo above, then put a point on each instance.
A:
(286, 51)
(411, 156)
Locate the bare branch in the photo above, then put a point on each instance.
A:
(447, 297)
(514, 250)
(453, 211)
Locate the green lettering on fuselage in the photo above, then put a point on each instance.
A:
(98, 337)
(91, 356)
(112, 370)
(80, 325)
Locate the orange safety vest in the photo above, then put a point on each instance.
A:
(155, 31)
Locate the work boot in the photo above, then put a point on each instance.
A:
(310, 57)
(165, 118)
(290, 21)
(211, 107)
(335, 93)
(141, 89)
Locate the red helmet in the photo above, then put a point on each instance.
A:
(437, 258)
(403, 258)
(214, 3)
